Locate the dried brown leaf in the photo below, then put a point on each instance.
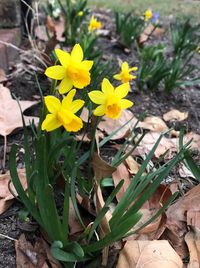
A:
(50, 24)
(84, 114)
(153, 123)
(158, 31)
(121, 173)
(190, 201)
(101, 170)
(133, 166)
(74, 224)
(186, 211)
(165, 144)
(6, 197)
(195, 140)
(147, 32)
(192, 239)
(148, 254)
(40, 33)
(10, 115)
(3, 77)
(109, 125)
(175, 115)
(28, 256)
(60, 29)
(184, 172)
(155, 229)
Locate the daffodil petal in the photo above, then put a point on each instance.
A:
(117, 76)
(125, 66)
(75, 125)
(65, 85)
(122, 90)
(63, 56)
(77, 53)
(87, 64)
(50, 123)
(106, 86)
(133, 69)
(82, 80)
(76, 106)
(125, 103)
(52, 103)
(97, 96)
(100, 110)
(132, 77)
(57, 72)
(67, 101)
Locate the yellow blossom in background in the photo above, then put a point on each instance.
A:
(73, 71)
(63, 113)
(111, 100)
(125, 75)
(198, 49)
(80, 13)
(148, 15)
(94, 24)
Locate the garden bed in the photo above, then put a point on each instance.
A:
(152, 102)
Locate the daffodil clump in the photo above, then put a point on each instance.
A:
(73, 71)
(94, 24)
(124, 76)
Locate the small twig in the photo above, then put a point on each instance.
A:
(34, 54)
(8, 237)
(24, 2)
(11, 45)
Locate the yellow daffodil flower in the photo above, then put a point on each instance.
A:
(111, 99)
(148, 15)
(198, 49)
(63, 113)
(73, 71)
(94, 24)
(80, 13)
(125, 75)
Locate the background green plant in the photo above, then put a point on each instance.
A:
(73, 21)
(161, 69)
(128, 28)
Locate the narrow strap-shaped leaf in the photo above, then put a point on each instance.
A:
(154, 217)
(73, 196)
(115, 235)
(22, 194)
(126, 198)
(65, 217)
(105, 208)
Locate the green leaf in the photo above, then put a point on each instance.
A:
(190, 163)
(114, 235)
(74, 253)
(22, 194)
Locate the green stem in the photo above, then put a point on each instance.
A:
(92, 148)
(53, 87)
